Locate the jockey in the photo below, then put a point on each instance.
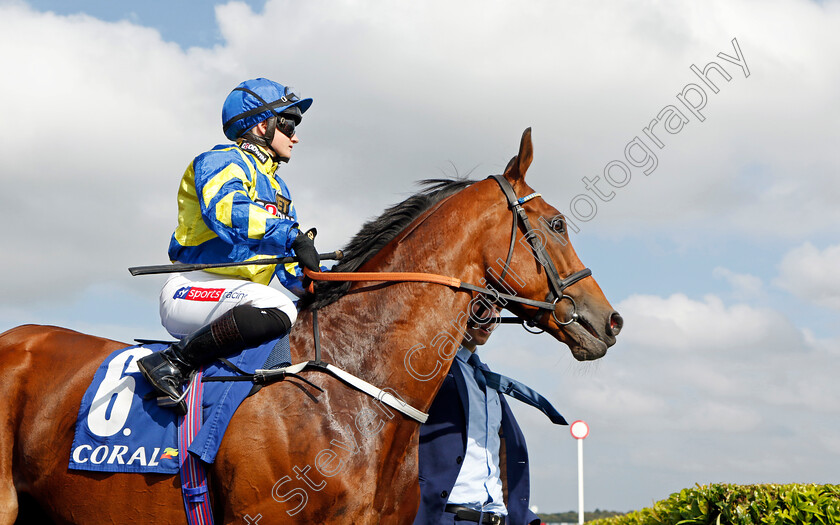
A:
(232, 207)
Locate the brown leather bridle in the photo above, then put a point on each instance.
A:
(556, 284)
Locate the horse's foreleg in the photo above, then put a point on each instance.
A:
(8, 493)
(8, 505)
(12, 367)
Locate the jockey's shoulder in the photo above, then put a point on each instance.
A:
(218, 158)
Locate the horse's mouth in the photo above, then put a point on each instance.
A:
(585, 343)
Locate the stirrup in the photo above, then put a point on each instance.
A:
(179, 404)
(162, 381)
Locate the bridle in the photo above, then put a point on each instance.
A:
(556, 284)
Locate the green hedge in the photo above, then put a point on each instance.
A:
(740, 505)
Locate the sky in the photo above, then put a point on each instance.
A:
(707, 209)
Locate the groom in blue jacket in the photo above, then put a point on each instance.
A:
(473, 459)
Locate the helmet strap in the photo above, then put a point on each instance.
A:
(266, 140)
(270, 128)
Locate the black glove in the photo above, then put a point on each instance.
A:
(304, 247)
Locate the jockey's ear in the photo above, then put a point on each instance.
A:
(519, 164)
(260, 129)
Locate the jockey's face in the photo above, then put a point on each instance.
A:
(280, 144)
(480, 325)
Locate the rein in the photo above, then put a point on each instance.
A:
(409, 277)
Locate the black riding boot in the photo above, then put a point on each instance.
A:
(169, 369)
(238, 328)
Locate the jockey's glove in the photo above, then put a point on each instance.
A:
(304, 247)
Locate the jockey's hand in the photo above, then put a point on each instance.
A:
(304, 247)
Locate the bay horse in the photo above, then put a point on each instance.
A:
(292, 454)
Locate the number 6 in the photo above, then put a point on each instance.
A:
(116, 385)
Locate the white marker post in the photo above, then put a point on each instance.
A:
(580, 430)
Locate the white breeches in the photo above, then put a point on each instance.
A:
(191, 300)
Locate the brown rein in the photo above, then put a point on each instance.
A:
(419, 278)
(383, 276)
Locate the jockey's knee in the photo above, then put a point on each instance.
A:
(257, 325)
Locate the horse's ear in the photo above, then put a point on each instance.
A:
(519, 164)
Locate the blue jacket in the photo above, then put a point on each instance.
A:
(443, 442)
(232, 207)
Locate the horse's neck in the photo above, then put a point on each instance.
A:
(400, 336)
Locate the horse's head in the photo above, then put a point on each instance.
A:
(512, 242)
(541, 264)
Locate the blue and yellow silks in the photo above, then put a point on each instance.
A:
(233, 208)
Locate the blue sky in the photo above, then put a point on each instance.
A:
(187, 23)
(722, 261)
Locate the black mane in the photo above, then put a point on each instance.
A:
(375, 234)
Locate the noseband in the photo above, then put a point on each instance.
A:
(556, 284)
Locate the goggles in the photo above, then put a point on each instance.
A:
(289, 95)
(286, 125)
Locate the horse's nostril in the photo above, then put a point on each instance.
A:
(616, 322)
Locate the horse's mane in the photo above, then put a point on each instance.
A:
(376, 233)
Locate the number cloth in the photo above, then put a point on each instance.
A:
(119, 430)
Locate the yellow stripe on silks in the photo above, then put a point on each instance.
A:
(191, 229)
(290, 267)
(258, 273)
(193, 237)
(215, 184)
(257, 216)
(224, 209)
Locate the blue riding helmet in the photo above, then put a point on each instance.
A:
(255, 100)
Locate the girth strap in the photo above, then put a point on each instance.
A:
(357, 383)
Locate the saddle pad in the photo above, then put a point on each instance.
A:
(120, 427)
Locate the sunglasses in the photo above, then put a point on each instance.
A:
(482, 314)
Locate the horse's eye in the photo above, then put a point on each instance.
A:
(558, 224)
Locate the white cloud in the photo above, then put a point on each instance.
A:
(812, 274)
(743, 285)
(678, 324)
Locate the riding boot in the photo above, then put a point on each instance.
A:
(169, 369)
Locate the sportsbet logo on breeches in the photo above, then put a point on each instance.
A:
(194, 293)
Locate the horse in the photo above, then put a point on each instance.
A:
(292, 453)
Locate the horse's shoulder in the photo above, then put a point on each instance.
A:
(29, 333)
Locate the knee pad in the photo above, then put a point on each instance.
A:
(258, 325)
